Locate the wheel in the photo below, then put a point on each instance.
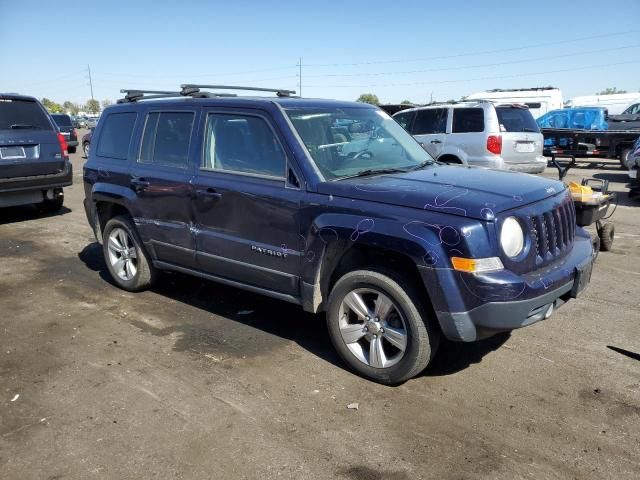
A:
(126, 258)
(606, 234)
(71, 149)
(624, 158)
(595, 243)
(54, 204)
(85, 149)
(380, 327)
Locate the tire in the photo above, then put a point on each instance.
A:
(71, 149)
(624, 158)
(606, 234)
(52, 205)
(143, 274)
(407, 314)
(85, 148)
(595, 243)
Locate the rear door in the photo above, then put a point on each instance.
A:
(522, 141)
(162, 180)
(246, 202)
(29, 142)
(430, 129)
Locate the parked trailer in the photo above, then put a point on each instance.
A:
(567, 142)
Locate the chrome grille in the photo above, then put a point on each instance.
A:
(553, 231)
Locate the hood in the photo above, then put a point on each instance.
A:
(459, 190)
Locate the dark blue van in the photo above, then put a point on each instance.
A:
(333, 206)
(34, 165)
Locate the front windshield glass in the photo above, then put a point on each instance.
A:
(346, 142)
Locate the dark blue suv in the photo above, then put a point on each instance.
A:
(333, 206)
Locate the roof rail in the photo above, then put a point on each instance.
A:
(135, 95)
(190, 88)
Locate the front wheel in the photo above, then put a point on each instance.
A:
(85, 149)
(126, 258)
(380, 327)
(625, 158)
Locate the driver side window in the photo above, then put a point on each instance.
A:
(243, 144)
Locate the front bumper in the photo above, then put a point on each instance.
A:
(505, 301)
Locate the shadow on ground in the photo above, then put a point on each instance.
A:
(274, 317)
(27, 213)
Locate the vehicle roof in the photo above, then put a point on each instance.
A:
(17, 96)
(247, 101)
(464, 103)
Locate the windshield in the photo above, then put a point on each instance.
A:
(344, 142)
(516, 119)
(62, 120)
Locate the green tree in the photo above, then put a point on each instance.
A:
(51, 106)
(406, 102)
(71, 107)
(106, 102)
(610, 91)
(92, 106)
(368, 98)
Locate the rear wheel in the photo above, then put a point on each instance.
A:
(126, 258)
(85, 149)
(52, 205)
(379, 326)
(71, 149)
(624, 158)
(606, 234)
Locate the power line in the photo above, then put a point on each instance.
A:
(469, 54)
(586, 67)
(466, 67)
(182, 75)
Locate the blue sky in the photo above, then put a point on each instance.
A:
(396, 49)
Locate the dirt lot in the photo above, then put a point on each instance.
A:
(195, 380)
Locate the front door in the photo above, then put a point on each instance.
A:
(162, 179)
(245, 208)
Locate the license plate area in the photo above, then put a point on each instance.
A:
(583, 277)
(525, 147)
(12, 153)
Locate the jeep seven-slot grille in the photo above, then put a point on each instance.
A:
(554, 231)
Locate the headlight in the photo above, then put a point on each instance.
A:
(511, 237)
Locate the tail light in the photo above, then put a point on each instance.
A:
(63, 145)
(494, 144)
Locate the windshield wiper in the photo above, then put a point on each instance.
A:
(420, 166)
(374, 171)
(21, 125)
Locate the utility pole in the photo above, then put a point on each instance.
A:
(90, 82)
(300, 76)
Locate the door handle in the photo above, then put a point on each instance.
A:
(208, 192)
(436, 141)
(139, 183)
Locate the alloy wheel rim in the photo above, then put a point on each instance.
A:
(123, 256)
(373, 328)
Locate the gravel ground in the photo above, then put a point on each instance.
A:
(195, 380)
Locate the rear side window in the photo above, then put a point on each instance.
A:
(516, 120)
(166, 139)
(244, 144)
(432, 120)
(468, 120)
(62, 120)
(22, 114)
(115, 136)
(405, 119)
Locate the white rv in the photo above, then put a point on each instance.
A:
(615, 104)
(539, 100)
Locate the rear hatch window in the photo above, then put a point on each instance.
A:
(22, 114)
(516, 119)
(62, 120)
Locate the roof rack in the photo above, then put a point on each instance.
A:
(193, 91)
(280, 92)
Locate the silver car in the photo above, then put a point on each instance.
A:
(480, 133)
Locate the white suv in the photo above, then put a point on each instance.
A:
(478, 133)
